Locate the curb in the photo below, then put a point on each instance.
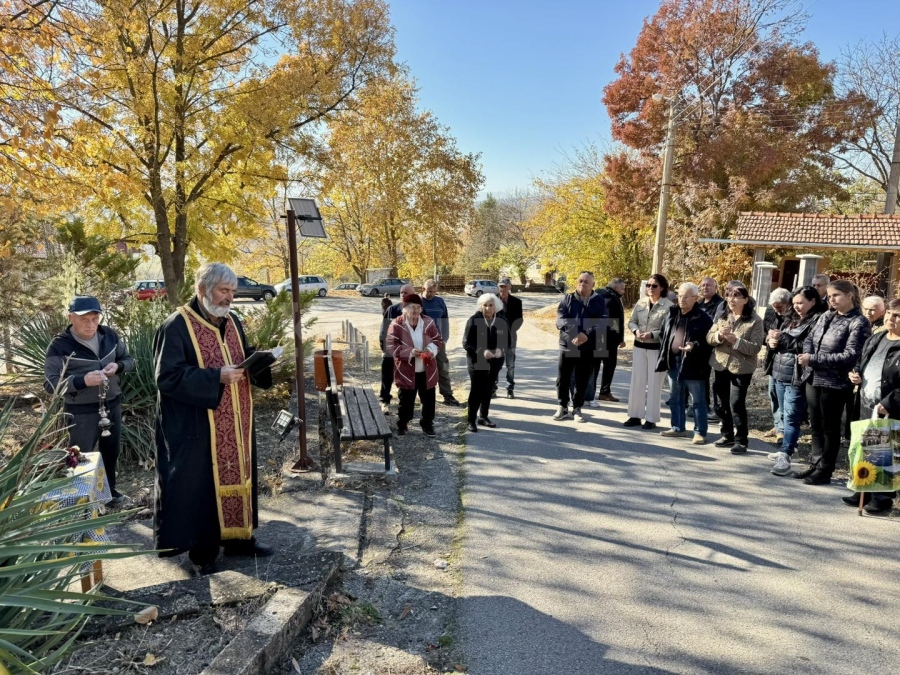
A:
(268, 636)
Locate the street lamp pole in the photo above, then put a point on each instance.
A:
(304, 463)
(659, 246)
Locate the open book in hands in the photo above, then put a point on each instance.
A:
(260, 360)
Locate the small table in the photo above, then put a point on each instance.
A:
(90, 487)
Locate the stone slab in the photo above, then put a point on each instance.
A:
(268, 636)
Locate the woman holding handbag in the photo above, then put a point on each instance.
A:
(784, 345)
(737, 338)
(830, 352)
(878, 375)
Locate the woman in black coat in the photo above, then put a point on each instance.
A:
(878, 375)
(830, 352)
(485, 340)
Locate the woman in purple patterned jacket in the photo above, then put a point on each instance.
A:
(830, 352)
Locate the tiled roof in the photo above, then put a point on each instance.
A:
(865, 231)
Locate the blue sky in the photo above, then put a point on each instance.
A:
(521, 81)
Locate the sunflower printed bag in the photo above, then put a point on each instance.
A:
(874, 455)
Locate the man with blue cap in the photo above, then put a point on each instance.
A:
(83, 364)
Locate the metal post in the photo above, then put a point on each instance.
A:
(304, 463)
(659, 247)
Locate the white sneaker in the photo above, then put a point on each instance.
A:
(775, 455)
(674, 433)
(594, 404)
(782, 464)
(561, 413)
(577, 416)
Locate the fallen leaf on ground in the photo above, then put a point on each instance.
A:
(147, 615)
(151, 659)
(296, 666)
(405, 613)
(440, 564)
(460, 668)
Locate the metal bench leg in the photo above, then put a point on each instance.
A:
(336, 442)
(387, 455)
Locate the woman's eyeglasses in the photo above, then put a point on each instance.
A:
(652, 285)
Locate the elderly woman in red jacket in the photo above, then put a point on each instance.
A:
(413, 340)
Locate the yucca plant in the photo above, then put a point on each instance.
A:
(40, 617)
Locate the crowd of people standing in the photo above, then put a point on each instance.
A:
(824, 366)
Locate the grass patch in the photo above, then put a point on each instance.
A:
(361, 613)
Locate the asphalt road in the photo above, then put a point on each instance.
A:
(593, 548)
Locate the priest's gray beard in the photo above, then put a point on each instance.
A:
(217, 311)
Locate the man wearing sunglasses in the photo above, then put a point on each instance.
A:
(581, 320)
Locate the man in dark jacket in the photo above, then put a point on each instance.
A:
(709, 296)
(684, 353)
(615, 337)
(83, 363)
(512, 312)
(581, 320)
(434, 307)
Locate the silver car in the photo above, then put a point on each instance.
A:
(478, 287)
(389, 286)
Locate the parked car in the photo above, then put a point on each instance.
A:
(248, 288)
(390, 286)
(308, 283)
(147, 289)
(480, 286)
(346, 287)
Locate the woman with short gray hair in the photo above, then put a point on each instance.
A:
(485, 340)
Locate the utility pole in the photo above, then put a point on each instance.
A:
(884, 261)
(659, 246)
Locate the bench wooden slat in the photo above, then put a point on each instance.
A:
(357, 428)
(381, 423)
(368, 418)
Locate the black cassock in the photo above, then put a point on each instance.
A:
(186, 514)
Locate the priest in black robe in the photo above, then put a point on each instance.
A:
(206, 459)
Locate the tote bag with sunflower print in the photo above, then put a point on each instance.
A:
(874, 455)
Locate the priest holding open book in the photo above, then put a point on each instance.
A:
(206, 491)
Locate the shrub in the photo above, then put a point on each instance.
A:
(39, 557)
(272, 325)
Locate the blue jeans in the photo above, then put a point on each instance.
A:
(678, 398)
(775, 402)
(792, 404)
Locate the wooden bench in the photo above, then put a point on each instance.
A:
(355, 415)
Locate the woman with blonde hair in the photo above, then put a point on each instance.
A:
(647, 319)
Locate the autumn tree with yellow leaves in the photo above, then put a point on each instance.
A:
(162, 121)
(397, 190)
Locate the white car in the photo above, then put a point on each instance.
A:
(307, 284)
(479, 286)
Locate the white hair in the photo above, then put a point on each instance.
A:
(781, 295)
(877, 299)
(211, 275)
(490, 297)
(688, 286)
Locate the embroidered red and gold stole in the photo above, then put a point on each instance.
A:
(230, 425)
